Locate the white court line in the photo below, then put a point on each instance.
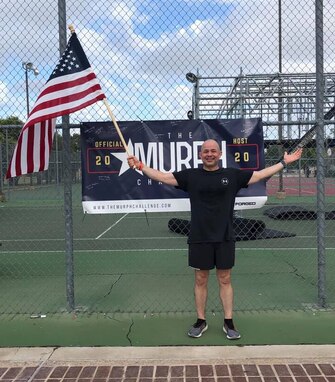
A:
(138, 238)
(94, 238)
(164, 250)
(101, 250)
(98, 237)
(104, 238)
(302, 191)
(131, 238)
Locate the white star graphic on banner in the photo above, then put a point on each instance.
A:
(123, 158)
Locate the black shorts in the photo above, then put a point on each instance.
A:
(207, 256)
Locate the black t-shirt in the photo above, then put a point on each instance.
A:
(212, 196)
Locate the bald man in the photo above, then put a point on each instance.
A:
(212, 191)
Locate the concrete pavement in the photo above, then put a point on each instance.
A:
(274, 363)
(168, 355)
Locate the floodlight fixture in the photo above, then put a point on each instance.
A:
(30, 67)
(190, 114)
(191, 77)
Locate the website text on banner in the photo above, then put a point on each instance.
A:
(109, 186)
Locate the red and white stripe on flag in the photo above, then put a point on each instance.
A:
(72, 86)
(33, 149)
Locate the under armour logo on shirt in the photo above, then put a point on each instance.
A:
(224, 181)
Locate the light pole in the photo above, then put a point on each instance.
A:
(28, 67)
(281, 191)
(194, 79)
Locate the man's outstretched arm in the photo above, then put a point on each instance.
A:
(159, 176)
(269, 171)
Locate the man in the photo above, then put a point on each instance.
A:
(212, 191)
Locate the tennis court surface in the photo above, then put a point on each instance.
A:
(131, 278)
(134, 264)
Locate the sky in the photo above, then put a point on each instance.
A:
(141, 50)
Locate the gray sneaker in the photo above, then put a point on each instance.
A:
(197, 329)
(232, 334)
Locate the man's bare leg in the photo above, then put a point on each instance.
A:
(226, 291)
(200, 292)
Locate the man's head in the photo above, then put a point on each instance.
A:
(210, 155)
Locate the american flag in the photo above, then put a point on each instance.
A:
(72, 86)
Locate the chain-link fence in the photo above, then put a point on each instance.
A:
(171, 60)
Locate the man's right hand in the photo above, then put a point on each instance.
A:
(133, 162)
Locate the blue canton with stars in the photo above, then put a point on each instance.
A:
(73, 59)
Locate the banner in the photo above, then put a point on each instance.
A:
(110, 186)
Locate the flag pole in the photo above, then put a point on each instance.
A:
(116, 125)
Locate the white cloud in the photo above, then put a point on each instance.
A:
(3, 93)
(123, 13)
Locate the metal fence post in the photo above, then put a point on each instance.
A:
(67, 175)
(320, 154)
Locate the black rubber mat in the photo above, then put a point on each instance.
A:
(290, 213)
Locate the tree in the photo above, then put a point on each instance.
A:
(75, 143)
(12, 133)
